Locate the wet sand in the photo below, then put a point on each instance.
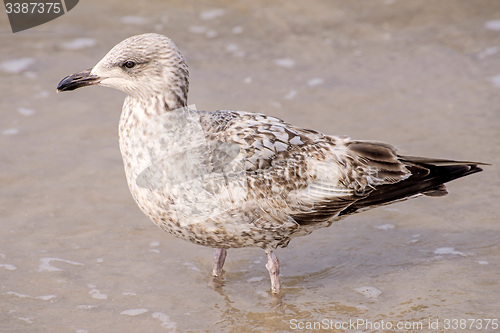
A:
(77, 255)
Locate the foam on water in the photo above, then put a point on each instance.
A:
(495, 80)
(285, 62)
(489, 51)
(134, 312)
(449, 250)
(96, 293)
(10, 131)
(237, 30)
(8, 267)
(42, 298)
(493, 25)
(85, 306)
(26, 319)
(136, 20)
(191, 266)
(211, 33)
(385, 226)
(42, 94)
(370, 292)
(255, 279)
(46, 297)
(154, 244)
(315, 82)
(128, 293)
(212, 14)
(414, 239)
(45, 265)
(13, 293)
(361, 308)
(26, 111)
(17, 65)
(79, 43)
(232, 47)
(165, 321)
(197, 29)
(291, 94)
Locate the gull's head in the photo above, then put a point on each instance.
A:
(141, 66)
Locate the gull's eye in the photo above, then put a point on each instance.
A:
(128, 64)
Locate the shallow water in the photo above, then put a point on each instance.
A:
(77, 255)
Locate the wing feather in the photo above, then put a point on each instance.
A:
(314, 177)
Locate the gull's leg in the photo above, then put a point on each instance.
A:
(219, 258)
(273, 266)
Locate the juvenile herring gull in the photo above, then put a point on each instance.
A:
(229, 179)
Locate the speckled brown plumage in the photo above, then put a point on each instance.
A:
(229, 179)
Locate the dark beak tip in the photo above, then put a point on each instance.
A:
(77, 80)
(63, 85)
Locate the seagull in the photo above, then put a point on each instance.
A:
(231, 179)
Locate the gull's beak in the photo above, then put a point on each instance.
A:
(78, 80)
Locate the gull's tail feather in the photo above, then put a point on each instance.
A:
(428, 177)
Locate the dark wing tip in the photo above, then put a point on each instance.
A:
(428, 177)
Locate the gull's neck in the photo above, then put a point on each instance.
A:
(136, 120)
(139, 109)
